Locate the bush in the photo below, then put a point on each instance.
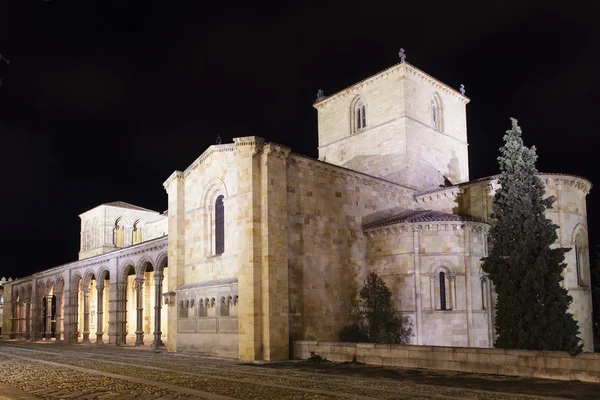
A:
(352, 333)
(377, 320)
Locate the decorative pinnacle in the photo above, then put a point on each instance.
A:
(402, 55)
(462, 89)
(218, 139)
(320, 94)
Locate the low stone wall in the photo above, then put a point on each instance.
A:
(526, 363)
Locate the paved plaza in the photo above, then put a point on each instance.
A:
(59, 371)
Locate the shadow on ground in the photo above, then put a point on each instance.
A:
(487, 382)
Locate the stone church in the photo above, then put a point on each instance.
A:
(261, 247)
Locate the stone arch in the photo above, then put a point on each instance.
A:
(581, 250)
(437, 112)
(86, 239)
(215, 188)
(124, 268)
(122, 229)
(161, 263)
(138, 231)
(342, 153)
(441, 265)
(50, 285)
(95, 234)
(142, 266)
(358, 114)
(87, 277)
(102, 272)
(442, 286)
(75, 278)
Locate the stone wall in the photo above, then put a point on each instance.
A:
(410, 256)
(98, 226)
(326, 207)
(568, 212)
(400, 142)
(536, 364)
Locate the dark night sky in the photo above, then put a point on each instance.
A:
(102, 100)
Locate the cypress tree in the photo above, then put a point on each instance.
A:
(531, 307)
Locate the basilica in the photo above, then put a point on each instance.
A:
(261, 247)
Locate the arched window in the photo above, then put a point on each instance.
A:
(119, 234)
(442, 291)
(359, 115)
(581, 256)
(137, 232)
(219, 226)
(436, 112)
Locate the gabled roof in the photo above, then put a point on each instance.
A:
(422, 216)
(122, 204)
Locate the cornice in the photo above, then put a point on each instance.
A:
(276, 150)
(400, 228)
(175, 175)
(215, 148)
(577, 182)
(145, 249)
(403, 68)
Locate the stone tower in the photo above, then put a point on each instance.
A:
(401, 125)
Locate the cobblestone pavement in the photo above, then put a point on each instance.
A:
(60, 371)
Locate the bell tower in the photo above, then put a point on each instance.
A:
(401, 125)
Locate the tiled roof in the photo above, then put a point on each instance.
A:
(422, 216)
(122, 204)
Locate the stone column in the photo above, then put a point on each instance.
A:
(58, 317)
(139, 332)
(73, 315)
(34, 314)
(158, 279)
(121, 311)
(432, 303)
(452, 292)
(48, 321)
(100, 312)
(416, 243)
(113, 313)
(27, 319)
(86, 315)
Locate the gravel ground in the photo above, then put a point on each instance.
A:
(176, 376)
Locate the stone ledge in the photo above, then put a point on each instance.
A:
(534, 364)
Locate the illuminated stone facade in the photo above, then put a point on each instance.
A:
(264, 247)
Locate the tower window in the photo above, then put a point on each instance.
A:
(436, 112)
(359, 111)
(442, 291)
(219, 226)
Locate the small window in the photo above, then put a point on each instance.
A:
(219, 226)
(119, 235)
(224, 307)
(442, 291)
(137, 233)
(359, 116)
(579, 262)
(183, 310)
(436, 112)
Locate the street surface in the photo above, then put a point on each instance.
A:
(60, 371)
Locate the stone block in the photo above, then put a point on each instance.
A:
(586, 376)
(372, 360)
